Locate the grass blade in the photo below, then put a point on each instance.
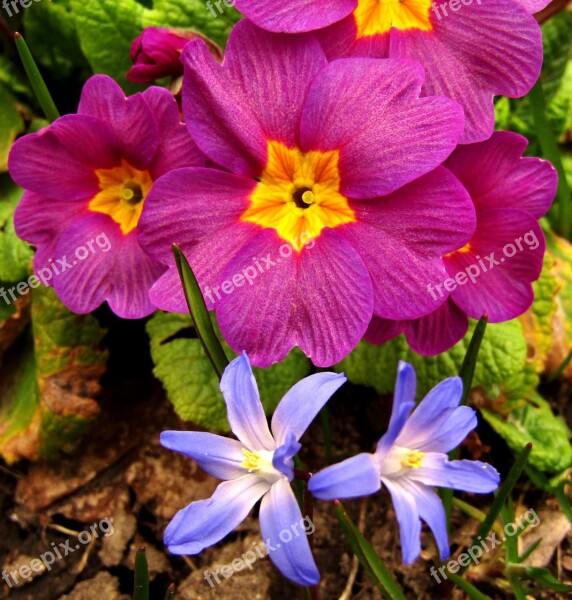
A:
(366, 555)
(141, 587)
(36, 80)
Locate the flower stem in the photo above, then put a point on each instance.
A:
(36, 80)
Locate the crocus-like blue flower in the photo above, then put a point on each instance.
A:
(411, 458)
(259, 465)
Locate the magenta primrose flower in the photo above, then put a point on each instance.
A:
(332, 207)
(411, 458)
(156, 53)
(257, 465)
(86, 179)
(471, 51)
(493, 273)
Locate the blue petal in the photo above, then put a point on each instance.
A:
(204, 523)
(445, 432)
(465, 475)
(407, 518)
(282, 528)
(282, 459)
(302, 403)
(432, 511)
(354, 477)
(438, 402)
(403, 404)
(217, 455)
(245, 413)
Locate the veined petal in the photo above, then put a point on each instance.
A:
(352, 478)
(496, 174)
(302, 403)
(219, 456)
(403, 404)
(432, 511)
(274, 72)
(206, 522)
(245, 413)
(505, 256)
(381, 330)
(280, 513)
(408, 519)
(294, 16)
(79, 142)
(464, 475)
(411, 135)
(438, 331)
(130, 119)
(219, 118)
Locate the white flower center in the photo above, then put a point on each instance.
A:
(260, 462)
(399, 460)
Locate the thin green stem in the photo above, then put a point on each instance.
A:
(327, 431)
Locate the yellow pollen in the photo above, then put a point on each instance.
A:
(299, 195)
(251, 460)
(123, 190)
(413, 460)
(376, 17)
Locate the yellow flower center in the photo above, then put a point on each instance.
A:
(123, 190)
(413, 460)
(375, 17)
(464, 250)
(299, 195)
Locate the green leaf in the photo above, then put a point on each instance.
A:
(52, 36)
(11, 124)
(15, 255)
(106, 29)
(501, 371)
(191, 14)
(49, 380)
(188, 377)
(535, 422)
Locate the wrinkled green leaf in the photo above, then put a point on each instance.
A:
(119, 23)
(188, 377)
(15, 255)
(535, 422)
(11, 124)
(51, 33)
(501, 372)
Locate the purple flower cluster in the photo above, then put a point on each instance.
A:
(350, 146)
